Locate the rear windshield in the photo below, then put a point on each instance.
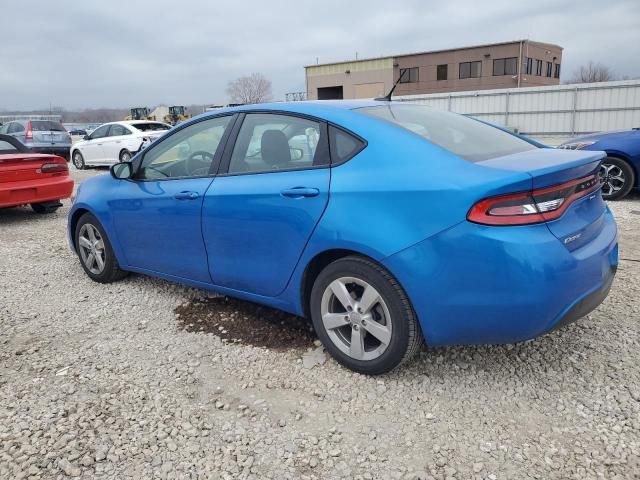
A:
(470, 139)
(151, 126)
(46, 126)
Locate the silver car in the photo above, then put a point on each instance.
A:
(41, 136)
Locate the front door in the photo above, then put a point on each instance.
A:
(158, 214)
(92, 151)
(259, 214)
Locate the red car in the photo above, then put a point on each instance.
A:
(40, 180)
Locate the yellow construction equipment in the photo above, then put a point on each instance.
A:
(176, 115)
(139, 113)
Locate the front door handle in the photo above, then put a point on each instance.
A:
(186, 195)
(300, 192)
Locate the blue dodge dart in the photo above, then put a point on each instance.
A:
(620, 170)
(387, 224)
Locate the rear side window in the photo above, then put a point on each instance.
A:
(149, 127)
(15, 128)
(467, 138)
(344, 145)
(46, 126)
(6, 146)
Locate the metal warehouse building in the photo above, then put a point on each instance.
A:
(521, 63)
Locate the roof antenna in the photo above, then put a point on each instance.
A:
(387, 97)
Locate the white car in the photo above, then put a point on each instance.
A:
(115, 142)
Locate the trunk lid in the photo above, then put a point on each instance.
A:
(27, 166)
(583, 219)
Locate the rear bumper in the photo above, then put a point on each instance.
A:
(61, 151)
(21, 193)
(474, 284)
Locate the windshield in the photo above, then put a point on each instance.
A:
(470, 139)
(150, 126)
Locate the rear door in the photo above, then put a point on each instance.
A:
(259, 214)
(115, 142)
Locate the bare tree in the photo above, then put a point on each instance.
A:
(254, 88)
(593, 72)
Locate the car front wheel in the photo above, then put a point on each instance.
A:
(125, 156)
(363, 317)
(78, 160)
(95, 252)
(617, 178)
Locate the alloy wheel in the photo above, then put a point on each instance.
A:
(77, 160)
(356, 318)
(612, 178)
(91, 246)
(125, 156)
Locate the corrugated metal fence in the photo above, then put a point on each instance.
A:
(557, 111)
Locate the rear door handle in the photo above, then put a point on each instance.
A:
(299, 192)
(186, 196)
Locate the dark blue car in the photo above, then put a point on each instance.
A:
(386, 224)
(620, 171)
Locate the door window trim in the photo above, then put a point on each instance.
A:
(325, 154)
(215, 164)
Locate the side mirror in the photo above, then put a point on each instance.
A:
(86, 137)
(122, 171)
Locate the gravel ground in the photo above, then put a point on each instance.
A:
(109, 382)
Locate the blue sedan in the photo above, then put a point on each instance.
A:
(387, 224)
(620, 171)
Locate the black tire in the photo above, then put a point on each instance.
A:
(611, 165)
(78, 160)
(406, 335)
(46, 207)
(111, 271)
(125, 156)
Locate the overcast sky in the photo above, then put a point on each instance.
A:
(86, 53)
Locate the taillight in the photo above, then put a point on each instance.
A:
(536, 206)
(54, 168)
(29, 134)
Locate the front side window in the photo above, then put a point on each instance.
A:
(100, 132)
(188, 153)
(505, 66)
(468, 138)
(470, 69)
(442, 72)
(409, 75)
(270, 142)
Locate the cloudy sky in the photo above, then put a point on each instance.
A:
(85, 53)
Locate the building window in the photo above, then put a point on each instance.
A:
(549, 69)
(539, 68)
(470, 69)
(409, 75)
(505, 66)
(528, 65)
(442, 72)
(557, 72)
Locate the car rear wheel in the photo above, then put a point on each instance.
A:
(46, 207)
(363, 317)
(125, 155)
(95, 251)
(78, 160)
(617, 178)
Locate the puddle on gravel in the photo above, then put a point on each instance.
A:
(245, 323)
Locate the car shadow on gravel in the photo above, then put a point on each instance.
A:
(246, 323)
(24, 214)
